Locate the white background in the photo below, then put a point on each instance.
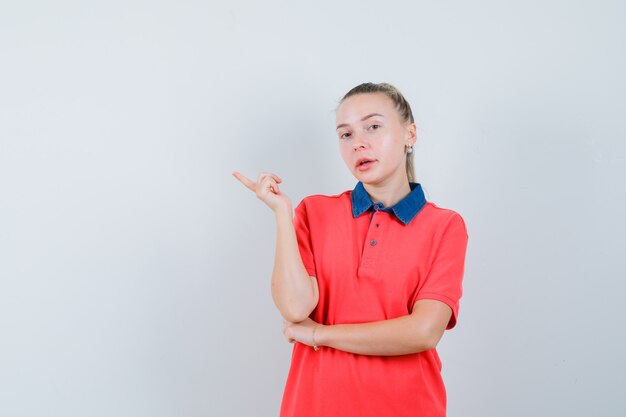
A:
(134, 270)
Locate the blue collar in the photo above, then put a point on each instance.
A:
(405, 209)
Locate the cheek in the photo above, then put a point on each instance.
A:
(390, 146)
(344, 150)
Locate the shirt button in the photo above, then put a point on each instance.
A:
(373, 242)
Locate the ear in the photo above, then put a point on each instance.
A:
(411, 134)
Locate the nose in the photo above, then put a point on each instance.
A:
(358, 142)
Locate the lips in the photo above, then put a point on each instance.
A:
(363, 161)
(363, 164)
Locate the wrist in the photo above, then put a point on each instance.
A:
(314, 344)
(284, 211)
(321, 335)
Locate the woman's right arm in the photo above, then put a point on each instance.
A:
(294, 292)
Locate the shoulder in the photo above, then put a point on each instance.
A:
(321, 201)
(443, 218)
(318, 207)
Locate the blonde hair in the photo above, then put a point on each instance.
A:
(403, 107)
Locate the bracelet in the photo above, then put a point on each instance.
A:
(315, 347)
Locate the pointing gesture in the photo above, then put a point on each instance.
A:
(266, 189)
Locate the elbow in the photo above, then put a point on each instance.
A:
(429, 344)
(295, 314)
(294, 311)
(427, 339)
(421, 345)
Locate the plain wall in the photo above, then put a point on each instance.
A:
(134, 270)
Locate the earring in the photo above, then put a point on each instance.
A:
(409, 149)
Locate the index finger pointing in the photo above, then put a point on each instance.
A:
(245, 180)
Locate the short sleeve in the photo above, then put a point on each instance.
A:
(303, 235)
(444, 279)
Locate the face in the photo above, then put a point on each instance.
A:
(373, 138)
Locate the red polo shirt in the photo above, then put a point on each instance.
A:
(373, 263)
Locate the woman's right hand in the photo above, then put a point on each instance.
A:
(266, 190)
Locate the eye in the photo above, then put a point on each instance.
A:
(345, 135)
(374, 127)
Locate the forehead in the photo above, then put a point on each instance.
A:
(359, 105)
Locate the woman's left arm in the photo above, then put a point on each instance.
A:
(419, 331)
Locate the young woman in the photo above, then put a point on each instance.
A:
(368, 280)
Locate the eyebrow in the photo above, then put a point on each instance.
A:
(363, 119)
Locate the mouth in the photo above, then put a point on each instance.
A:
(364, 163)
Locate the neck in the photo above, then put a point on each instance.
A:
(389, 193)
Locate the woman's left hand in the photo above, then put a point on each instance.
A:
(301, 332)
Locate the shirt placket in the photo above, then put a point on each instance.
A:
(371, 248)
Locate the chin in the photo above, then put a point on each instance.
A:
(368, 179)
